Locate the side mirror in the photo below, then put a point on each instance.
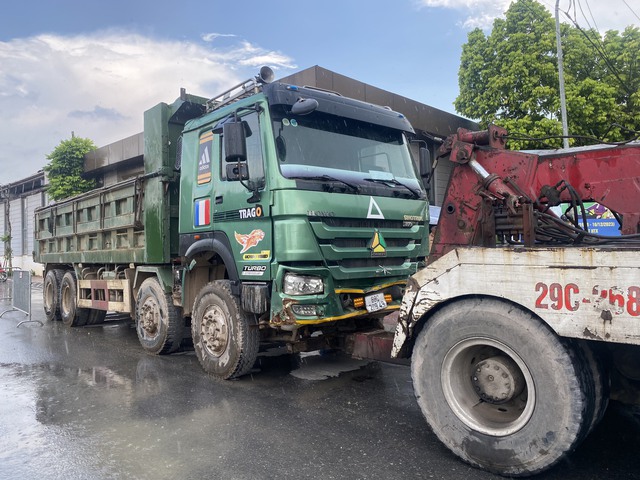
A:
(238, 171)
(426, 169)
(235, 141)
(304, 106)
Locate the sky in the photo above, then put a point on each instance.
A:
(91, 67)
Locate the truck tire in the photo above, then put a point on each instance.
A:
(593, 365)
(51, 294)
(96, 317)
(159, 323)
(539, 411)
(225, 338)
(71, 315)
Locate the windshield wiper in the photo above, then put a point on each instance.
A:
(396, 183)
(328, 178)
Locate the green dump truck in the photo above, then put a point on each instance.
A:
(269, 213)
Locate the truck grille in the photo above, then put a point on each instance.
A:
(344, 243)
(360, 223)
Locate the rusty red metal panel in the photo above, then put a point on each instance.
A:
(606, 174)
(99, 294)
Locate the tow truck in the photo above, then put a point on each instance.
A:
(525, 321)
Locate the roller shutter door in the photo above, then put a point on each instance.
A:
(32, 202)
(16, 213)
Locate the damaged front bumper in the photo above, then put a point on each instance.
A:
(335, 303)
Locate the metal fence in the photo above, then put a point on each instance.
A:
(22, 291)
(21, 294)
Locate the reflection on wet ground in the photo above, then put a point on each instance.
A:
(87, 403)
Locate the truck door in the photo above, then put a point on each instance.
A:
(203, 186)
(241, 204)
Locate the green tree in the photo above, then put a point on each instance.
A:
(510, 78)
(66, 166)
(8, 251)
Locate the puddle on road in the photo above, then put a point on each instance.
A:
(144, 419)
(318, 366)
(32, 445)
(58, 421)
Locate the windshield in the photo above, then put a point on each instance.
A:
(349, 155)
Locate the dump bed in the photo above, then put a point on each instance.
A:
(102, 226)
(134, 221)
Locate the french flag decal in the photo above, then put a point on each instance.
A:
(202, 212)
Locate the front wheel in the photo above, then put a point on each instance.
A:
(225, 338)
(499, 388)
(3, 276)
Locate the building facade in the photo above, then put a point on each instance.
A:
(18, 203)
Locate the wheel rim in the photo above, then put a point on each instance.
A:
(150, 318)
(488, 386)
(65, 300)
(214, 331)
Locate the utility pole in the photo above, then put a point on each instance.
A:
(563, 100)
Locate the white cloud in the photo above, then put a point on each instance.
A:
(210, 37)
(609, 15)
(479, 13)
(467, 4)
(99, 85)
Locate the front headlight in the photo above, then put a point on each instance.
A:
(302, 284)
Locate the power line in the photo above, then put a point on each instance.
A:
(591, 14)
(629, 7)
(598, 46)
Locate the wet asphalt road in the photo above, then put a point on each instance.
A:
(88, 403)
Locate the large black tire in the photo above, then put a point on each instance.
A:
(593, 365)
(51, 294)
(225, 338)
(71, 315)
(96, 317)
(499, 388)
(159, 323)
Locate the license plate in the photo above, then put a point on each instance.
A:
(375, 302)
